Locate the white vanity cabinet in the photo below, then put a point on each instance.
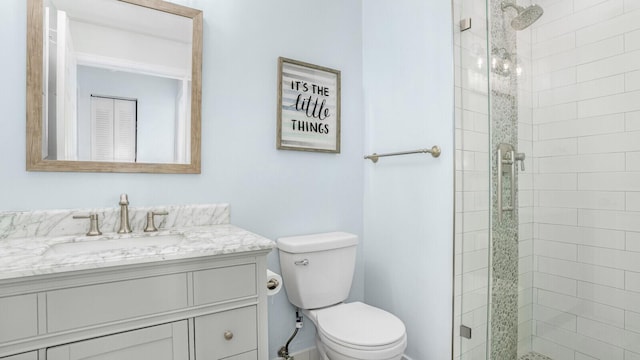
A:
(204, 308)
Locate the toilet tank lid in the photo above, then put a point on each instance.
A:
(316, 242)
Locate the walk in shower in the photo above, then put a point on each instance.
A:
(547, 180)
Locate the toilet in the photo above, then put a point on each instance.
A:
(317, 271)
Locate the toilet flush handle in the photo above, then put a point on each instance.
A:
(304, 262)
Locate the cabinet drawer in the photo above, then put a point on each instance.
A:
(26, 356)
(96, 304)
(211, 342)
(18, 317)
(225, 283)
(162, 342)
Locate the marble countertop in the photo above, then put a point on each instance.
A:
(31, 256)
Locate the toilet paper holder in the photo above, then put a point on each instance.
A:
(272, 284)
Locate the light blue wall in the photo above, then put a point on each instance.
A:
(408, 242)
(273, 193)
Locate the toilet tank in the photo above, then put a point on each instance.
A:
(317, 269)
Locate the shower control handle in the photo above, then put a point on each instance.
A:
(520, 157)
(507, 162)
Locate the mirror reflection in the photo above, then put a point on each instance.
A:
(117, 83)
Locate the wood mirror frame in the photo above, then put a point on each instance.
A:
(34, 109)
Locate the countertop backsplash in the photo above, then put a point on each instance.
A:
(50, 223)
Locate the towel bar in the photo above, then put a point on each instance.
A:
(434, 151)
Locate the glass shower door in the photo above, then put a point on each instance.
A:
(472, 181)
(493, 197)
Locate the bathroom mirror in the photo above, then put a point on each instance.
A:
(113, 86)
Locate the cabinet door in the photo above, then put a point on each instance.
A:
(26, 356)
(162, 342)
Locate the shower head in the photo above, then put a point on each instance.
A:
(526, 16)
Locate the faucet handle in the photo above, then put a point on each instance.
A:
(94, 228)
(151, 226)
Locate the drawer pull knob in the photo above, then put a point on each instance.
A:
(228, 335)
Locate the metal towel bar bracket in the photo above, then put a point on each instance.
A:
(434, 151)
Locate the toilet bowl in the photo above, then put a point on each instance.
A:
(357, 331)
(317, 271)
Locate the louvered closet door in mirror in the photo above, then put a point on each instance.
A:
(113, 129)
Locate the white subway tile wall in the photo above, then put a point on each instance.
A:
(586, 181)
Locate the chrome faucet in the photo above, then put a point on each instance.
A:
(125, 227)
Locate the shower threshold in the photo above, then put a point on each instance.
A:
(534, 356)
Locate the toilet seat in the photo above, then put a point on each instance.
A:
(360, 331)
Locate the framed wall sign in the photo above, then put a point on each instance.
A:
(308, 107)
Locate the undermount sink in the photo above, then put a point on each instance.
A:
(110, 244)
